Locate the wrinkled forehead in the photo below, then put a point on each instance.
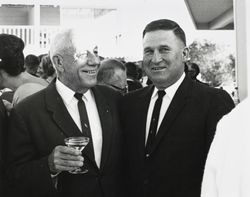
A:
(83, 41)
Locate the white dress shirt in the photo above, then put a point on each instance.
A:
(95, 124)
(166, 100)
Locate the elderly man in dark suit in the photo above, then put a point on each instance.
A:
(38, 160)
(168, 125)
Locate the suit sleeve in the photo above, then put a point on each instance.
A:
(26, 169)
(3, 131)
(221, 104)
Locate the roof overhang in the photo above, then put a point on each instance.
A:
(211, 14)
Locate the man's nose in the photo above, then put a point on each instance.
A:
(93, 59)
(156, 57)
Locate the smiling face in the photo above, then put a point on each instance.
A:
(80, 70)
(75, 64)
(163, 57)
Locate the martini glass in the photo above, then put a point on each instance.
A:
(77, 143)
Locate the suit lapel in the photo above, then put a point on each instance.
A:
(177, 104)
(62, 118)
(105, 115)
(59, 112)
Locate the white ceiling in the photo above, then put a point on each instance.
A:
(206, 14)
(211, 14)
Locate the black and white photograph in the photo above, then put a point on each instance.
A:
(124, 98)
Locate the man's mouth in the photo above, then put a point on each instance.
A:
(90, 72)
(157, 68)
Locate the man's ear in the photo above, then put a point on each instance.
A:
(185, 54)
(58, 62)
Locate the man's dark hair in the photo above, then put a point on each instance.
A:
(196, 68)
(11, 54)
(165, 24)
(31, 63)
(192, 65)
(132, 70)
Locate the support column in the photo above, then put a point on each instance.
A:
(37, 24)
(241, 47)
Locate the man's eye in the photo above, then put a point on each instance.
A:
(164, 50)
(148, 52)
(80, 55)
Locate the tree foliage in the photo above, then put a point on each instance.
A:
(217, 67)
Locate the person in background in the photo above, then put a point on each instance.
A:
(38, 160)
(113, 73)
(227, 170)
(192, 70)
(45, 69)
(12, 72)
(168, 126)
(7, 94)
(95, 51)
(31, 64)
(132, 76)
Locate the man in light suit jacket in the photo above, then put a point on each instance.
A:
(38, 160)
(227, 169)
(172, 164)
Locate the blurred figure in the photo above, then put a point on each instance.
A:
(31, 64)
(132, 76)
(192, 70)
(12, 72)
(7, 94)
(38, 159)
(113, 73)
(227, 170)
(41, 56)
(45, 69)
(95, 51)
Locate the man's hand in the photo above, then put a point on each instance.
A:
(64, 158)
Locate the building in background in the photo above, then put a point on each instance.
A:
(36, 21)
(120, 23)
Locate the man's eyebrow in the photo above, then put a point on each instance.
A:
(164, 45)
(147, 48)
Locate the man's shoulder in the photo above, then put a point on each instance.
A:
(106, 91)
(26, 90)
(208, 89)
(33, 101)
(137, 95)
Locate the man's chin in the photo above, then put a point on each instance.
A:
(90, 84)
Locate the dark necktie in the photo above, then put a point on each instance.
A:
(85, 123)
(83, 115)
(154, 121)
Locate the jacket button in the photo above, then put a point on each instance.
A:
(147, 155)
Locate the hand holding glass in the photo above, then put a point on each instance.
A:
(77, 143)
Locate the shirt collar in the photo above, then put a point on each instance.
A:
(88, 95)
(67, 94)
(171, 90)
